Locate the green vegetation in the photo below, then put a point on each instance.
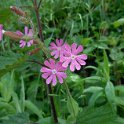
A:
(97, 90)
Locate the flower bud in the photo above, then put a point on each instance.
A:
(34, 51)
(17, 11)
(12, 35)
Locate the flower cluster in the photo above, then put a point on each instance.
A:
(69, 56)
(65, 54)
(28, 35)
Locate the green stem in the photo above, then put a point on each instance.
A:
(70, 97)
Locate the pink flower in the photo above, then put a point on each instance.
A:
(28, 34)
(70, 56)
(53, 71)
(57, 49)
(1, 32)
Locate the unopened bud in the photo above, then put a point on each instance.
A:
(18, 11)
(12, 35)
(34, 51)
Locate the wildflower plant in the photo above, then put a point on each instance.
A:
(45, 75)
(59, 57)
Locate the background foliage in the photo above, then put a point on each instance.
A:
(97, 89)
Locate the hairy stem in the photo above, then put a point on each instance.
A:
(53, 109)
(52, 104)
(34, 61)
(38, 20)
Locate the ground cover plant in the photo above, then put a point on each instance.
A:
(61, 62)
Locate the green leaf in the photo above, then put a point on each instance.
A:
(118, 23)
(7, 86)
(22, 95)
(94, 97)
(16, 102)
(98, 115)
(61, 121)
(119, 101)
(33, 108)
(106, 66)
(110, 91)
(6, 109)
(91, 67)
(47, 120)
(93, 89)
(119, 88)
(21, 118)
(85, 41)
(93, 79)
(10, 66)
(47, 42)
(72, 106)
(116, 54)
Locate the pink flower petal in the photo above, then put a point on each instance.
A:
(53, 44)
(78, 50)
(63, 58)
(30, 33)
(81, 61)
(1, 33)
(59, 67)
(53, 53)
(82, 56)
(52, 63)
(30, 43)
(72, 66)
(60, 79)
(66, 53)
(48, 81)
(62, 74)
(77, 65)
(19, 33)
(66, 63)
(67, 48)
(59, 42)
(46, 75)
(56, 55)
(46, 63)
(22, 43)
(73, 47)
(44, 69)
(54, 80)
(26, 30)
(1, 27)
(53, 48)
